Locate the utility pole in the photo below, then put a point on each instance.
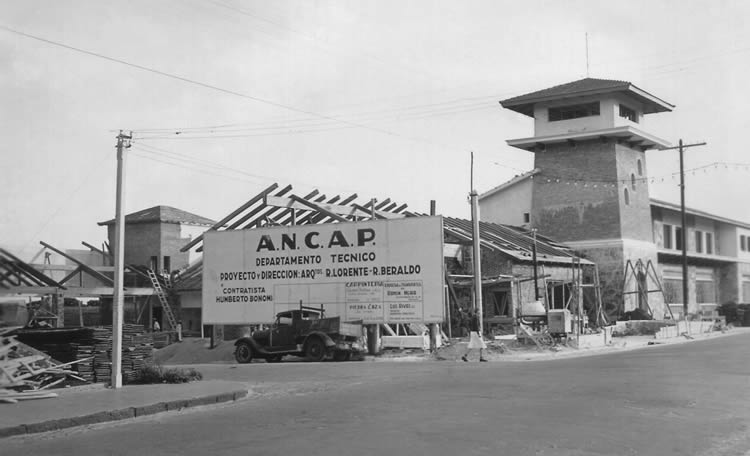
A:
(477, 252)
(533, 260)
(681, 147)
(123, 142)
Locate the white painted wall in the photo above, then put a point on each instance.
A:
(728, 241)
(508, 205)
(609, 117)
(190, 232)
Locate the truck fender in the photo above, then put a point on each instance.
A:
(256, 347)
(323, 336)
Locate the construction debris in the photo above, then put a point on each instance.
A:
(25, 371)
(63, 357)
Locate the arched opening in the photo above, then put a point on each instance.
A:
(632, 181)
(627, 197)
(640, 167)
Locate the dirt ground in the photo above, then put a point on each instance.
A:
(198, 351)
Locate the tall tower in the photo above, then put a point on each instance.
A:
(590, 189)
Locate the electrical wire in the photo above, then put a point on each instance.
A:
(205, 85)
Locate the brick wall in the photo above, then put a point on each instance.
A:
(575, 198)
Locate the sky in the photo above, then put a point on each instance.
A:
(386, 99)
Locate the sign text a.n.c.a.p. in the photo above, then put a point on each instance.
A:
(377, 271)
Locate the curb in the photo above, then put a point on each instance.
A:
(120, 414)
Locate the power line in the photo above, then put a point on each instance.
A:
(291, 129)
(203, 84)
(282, 123)
(197, 165)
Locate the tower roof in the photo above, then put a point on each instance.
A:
(163, 214)
(524, 104)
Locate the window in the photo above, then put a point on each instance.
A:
(632, 181)
(628, 113)
(709, 243)
(627, 197)
(673, 291)
(167, 263)
(526, 217)
(699, 241)
(743, 247)
(745, 289)
(667, 236)
(705, 292)
(573, 111)
(640, 167)
(678, 238)
(154, 263)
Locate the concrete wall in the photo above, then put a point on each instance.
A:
(508, 205)
(727, 240)
(543, 127)
(144, 240)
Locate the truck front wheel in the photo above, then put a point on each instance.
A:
(316, 349)
(243, 353)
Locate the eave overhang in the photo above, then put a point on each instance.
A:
(625, 134)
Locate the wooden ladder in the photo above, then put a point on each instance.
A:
(163, 299)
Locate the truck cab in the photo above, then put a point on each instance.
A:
(304, 332)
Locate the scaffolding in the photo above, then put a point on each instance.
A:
(637, 276)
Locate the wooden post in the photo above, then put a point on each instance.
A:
(373, 339)
(59, 310)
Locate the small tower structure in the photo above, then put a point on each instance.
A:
(589, 188)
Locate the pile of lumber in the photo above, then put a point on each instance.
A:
(25, 371)
(89, 350)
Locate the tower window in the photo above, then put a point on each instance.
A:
(628, 113)
(526, 217)
(632, 181)
(640, 167)
(627, 197)
(573, 111)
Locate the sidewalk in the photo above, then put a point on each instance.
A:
(96, 404)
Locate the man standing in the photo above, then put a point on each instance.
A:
(475, 339)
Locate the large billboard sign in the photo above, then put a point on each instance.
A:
(378, 271)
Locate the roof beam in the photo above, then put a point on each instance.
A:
(255, 211)
(229, 217)
(97, 250)
(318, 208)
(346, 211)
(319, 218)
(18, 263)
(88, 269)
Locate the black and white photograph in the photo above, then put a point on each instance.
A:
(482, 227)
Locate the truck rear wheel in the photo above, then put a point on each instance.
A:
(315, 350)
(243, 353)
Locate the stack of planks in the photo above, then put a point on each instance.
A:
(89, 350)
(25, 371)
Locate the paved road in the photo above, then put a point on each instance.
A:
(689, 399)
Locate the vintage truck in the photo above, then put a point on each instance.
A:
(304, 332)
